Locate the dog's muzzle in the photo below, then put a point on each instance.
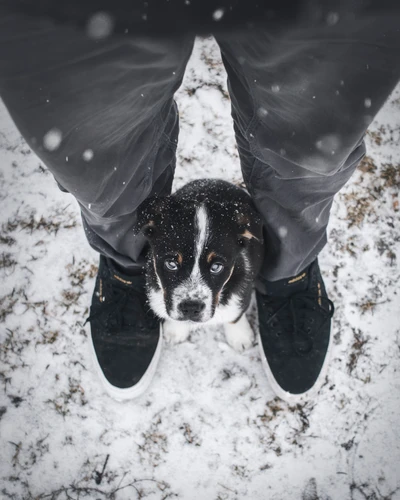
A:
(191, 310)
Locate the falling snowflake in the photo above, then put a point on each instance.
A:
(87, 155)
(218, 14)
(328, 144)
(282, 231)
(332, 18)
(99, 26)
(262, 112)
(52, 140)
(367, 102)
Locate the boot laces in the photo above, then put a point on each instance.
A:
(299, 317)
(123, 310)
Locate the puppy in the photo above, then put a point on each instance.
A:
(206, 249)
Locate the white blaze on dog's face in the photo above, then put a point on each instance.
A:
(192, 299)
(198, 262)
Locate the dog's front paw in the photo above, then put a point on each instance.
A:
(239, 335)
(175, 332)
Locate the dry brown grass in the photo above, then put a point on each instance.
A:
(358, 208)
(357, 350)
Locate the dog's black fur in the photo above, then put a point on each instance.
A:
(206, 249)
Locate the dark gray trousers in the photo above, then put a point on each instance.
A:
(302, 97)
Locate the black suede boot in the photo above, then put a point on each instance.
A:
(295, 333)
(126, 335)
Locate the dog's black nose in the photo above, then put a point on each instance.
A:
(191, 309)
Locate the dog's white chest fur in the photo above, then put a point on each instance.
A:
(239, 335)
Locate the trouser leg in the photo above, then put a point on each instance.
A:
(302, 98)
(100, 114)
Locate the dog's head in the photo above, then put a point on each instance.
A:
(200, 255)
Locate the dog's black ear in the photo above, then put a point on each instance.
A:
(150, 215)
(250, 224)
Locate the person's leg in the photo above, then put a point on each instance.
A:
(302, 98)
(100, 114)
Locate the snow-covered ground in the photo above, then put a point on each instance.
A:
(209, 427)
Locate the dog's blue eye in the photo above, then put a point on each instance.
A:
(171, 265)
(216, 268)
